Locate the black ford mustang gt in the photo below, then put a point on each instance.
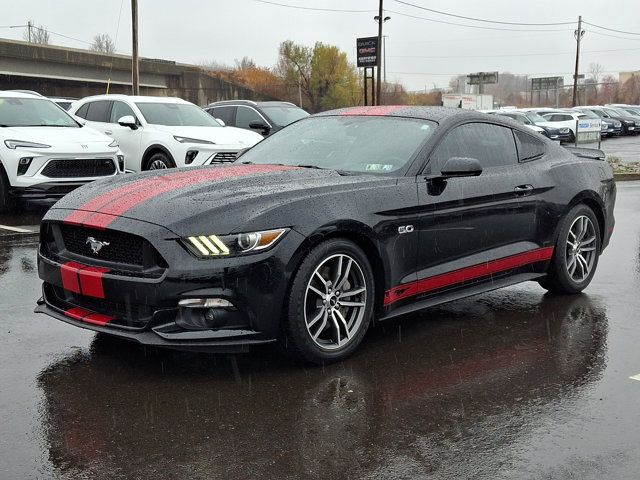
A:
(340, 219)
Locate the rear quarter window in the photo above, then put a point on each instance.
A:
(528, 146)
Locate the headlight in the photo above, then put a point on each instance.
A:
(191, 140)
(564, 130)
(114, 144)
(13, 144)
(206, 246)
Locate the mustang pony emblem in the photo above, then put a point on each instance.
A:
(96, 245)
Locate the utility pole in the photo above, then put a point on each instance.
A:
(29, 30)
(379, 79)
(579, 33)
(384, 57)
(135, 73)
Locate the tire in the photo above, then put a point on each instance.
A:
(7, 201)
(567, 273)
(159, 161)
(317, 309)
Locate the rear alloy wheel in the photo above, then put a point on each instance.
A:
(331, 302)
(576, 253)
(159, 161)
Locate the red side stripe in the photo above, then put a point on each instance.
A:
(379, 111)
(69, 274)
(109, 206)
(91, 281)
(77, 313)
(465, 274)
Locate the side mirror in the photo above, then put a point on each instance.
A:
(128, 121)
(221, 122)
(263, 127)
(461, 167)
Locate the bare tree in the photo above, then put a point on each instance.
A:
(102, 43)
(595, 70)
(33, 34)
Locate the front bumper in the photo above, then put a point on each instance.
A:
(46, 193)
(143, 306)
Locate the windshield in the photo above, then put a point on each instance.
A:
(600, 113)
(535, 118)
(346, 143)
(33, 112)
(633, 111)
(176, 115)
(282, 115)
(518, 118)
(612, 112)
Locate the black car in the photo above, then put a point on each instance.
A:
(264, 117)
(341, 219)
(560, 134)
(627, 123)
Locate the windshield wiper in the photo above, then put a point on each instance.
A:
(47, 125)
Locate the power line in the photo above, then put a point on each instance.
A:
(595, 32)
(513, 55)
(482, 19)
(316, 9)
(476, 26)
(610, 29)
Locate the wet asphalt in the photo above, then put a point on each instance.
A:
(511, 384)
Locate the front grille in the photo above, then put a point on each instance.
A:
(123, 247)
(126, 314)
(79, 168)
(224, 157)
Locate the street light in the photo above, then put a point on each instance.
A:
(378, 18)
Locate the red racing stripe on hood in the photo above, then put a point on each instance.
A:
(100, 211)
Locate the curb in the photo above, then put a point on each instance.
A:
(626, 177)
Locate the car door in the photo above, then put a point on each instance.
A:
(130, 140)
(96, 113)
(245, 116)
(469, 224)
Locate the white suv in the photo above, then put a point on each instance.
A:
(45, 153)
(162, 132)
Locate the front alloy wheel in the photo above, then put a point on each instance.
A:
(330, 302)
(335, 301)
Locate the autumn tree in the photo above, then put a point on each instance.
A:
(324, 75)
(102, 43)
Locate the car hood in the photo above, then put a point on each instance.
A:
(218, 135)
(54, 135)
(217, 199)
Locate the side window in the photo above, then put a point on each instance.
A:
(226, 114)
(99, 111)
(245, 116)
(529, 147)
(119, 110)
(492, 145)
(82, 111)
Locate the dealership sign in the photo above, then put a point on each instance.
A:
(588, 130)
(367, 51)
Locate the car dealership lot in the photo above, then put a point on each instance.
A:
(511, 384)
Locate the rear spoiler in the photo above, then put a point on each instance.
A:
(591, 153)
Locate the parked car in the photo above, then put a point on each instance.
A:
(44, 152)
(263, 117)
(625, 114)
(162, 132)
(520, 118)
(628, 125)
(340, 218)
(568, 119)
(609, 127)
(529, 118)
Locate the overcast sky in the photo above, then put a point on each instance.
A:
(193, 31)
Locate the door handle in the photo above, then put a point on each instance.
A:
(523, 189)
(108, 132)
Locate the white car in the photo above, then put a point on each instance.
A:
(45, 153)
(568, 119)
(162, 132)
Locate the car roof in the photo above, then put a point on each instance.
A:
(252, 103)
(135, 98)
(436, 114)
(20, 94)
